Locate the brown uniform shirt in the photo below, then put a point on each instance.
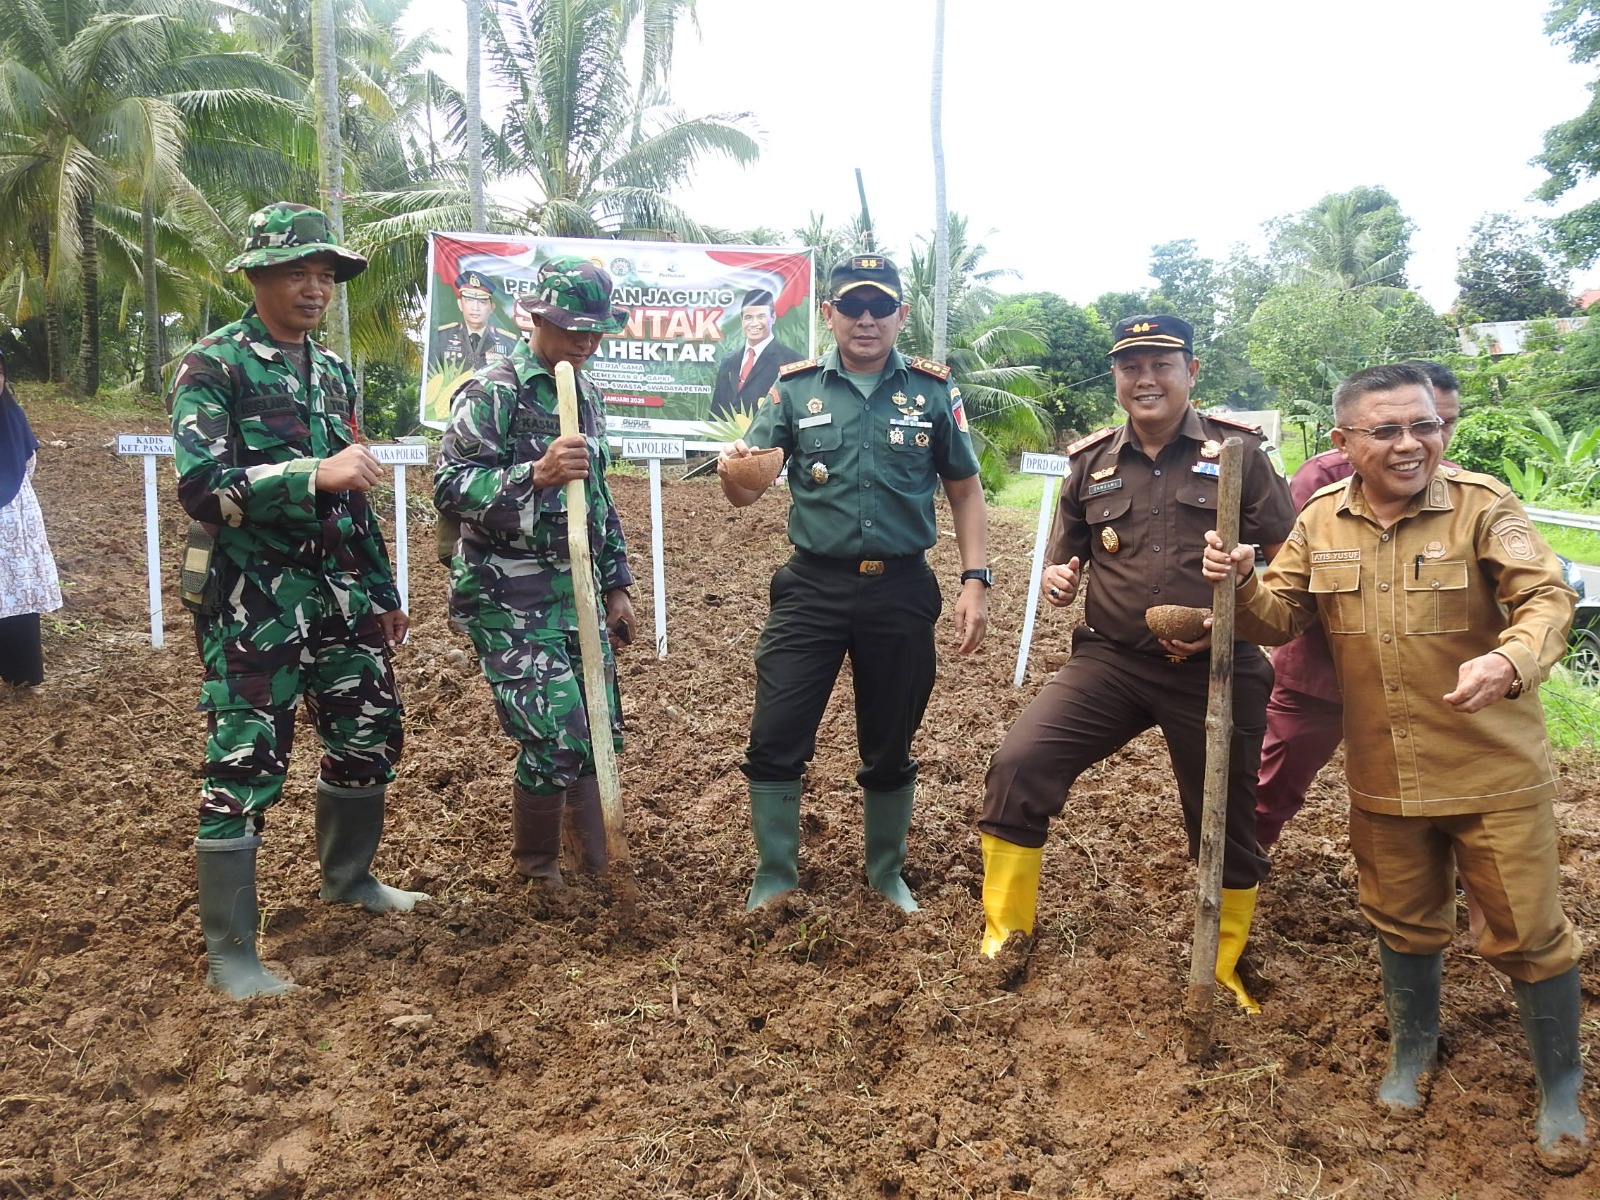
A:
(1142, 523)
(1461, 573)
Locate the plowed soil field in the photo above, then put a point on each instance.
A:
(498, 1043)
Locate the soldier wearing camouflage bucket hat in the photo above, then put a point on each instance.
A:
(290, 584)
(503, 467)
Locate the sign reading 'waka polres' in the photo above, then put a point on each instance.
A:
(707, 327)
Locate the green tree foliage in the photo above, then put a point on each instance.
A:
(1571, 151)
(1073, 364)
(1505, 274)
(1487, 436)
(1351, 239)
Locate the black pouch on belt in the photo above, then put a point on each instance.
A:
(199, 581)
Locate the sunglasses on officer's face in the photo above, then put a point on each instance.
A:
(879, 306)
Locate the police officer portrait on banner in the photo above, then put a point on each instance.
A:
(503, 469)
(869, 437)
(1130, 525)
(748, 371)
(474, 340)
(1443, 610)
(290, 584)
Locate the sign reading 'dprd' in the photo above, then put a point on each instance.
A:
(652, 448)
(145, 443)
(394, 454)
(1044, 464)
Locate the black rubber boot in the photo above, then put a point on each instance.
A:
(586, 827)
(1550, 1011)
(349, 827)
(536, 835)
(886, 816)
(775, 821)
(1411, 1001)
(229, 915)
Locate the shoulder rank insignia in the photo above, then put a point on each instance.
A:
(1225, 419)
(795, 368)
(928, 367)
(1084, 443)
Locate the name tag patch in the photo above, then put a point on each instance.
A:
(1324, 556)
(818, 419)
(544, 424)
(1105, 485)
(914, 422)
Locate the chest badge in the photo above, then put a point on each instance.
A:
(899, 400)
(813, 406)
(1103, 473)
(1210, 448)
(819, 472)
(1433, 550)
(897, 437)
(921, 402)
(922, 439)
(1110, 540)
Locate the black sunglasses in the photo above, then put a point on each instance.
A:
(879, 306)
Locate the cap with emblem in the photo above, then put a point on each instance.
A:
(575, 294)
(864, 270)
(1160, 330)
(475, 285)
(282, 232)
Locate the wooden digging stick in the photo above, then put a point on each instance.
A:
(1219, 736)
(596, 696)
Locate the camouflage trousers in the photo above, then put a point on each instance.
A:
(262, 654)
(536, 677)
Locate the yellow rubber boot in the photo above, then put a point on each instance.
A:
(1010, 890)
(1238, 906)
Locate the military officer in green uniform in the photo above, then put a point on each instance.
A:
(473, 339)
(296, 599)
(868, 436)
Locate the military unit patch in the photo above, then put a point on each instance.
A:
(1516, 536)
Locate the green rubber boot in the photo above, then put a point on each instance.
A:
(775, 821)
(229, 915)
(585, 832)
(349, 827)
(1411, 1002)
(1550, 1011)
(886, 817)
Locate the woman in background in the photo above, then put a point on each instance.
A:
(28, 582)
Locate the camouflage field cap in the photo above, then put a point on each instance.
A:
(282, 232)
(575, 294)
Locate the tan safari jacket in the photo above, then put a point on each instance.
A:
(1461, 573)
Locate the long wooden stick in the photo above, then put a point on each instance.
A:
(596, 695)
(1219, 737)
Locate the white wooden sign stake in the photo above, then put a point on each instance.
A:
(654, 450)
(1054, 469)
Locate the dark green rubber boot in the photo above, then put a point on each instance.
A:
(1550, 1011)
(1411, 1002)
(775, 821)
(536, 835)
(349, 827)
(229, 915)
(887, 819)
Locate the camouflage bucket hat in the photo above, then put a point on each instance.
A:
(283, 232)
(575, 294)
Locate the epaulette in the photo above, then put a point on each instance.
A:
(1223, 419)
(452, 325)
(928, 367)
(1084, 443)
(1327, 489)
(795, 368)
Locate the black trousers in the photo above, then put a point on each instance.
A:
(1103, 698)
(21, 649)
(821, 611)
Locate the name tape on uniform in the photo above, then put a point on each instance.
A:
(400, 454)
(1044, 464)
(145, 443)
(652, 447)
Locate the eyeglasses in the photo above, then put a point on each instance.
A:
(879, 306)
(1390, 433)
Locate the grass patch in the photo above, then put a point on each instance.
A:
(1580, 545)
(1020, 491)
(1571, 711)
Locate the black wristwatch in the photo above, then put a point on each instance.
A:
(982, 574)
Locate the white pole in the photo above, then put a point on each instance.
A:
(402, 568)
(152, 552)
(1046, 504)
(657, 567)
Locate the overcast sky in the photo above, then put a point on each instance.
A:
(1082, 134)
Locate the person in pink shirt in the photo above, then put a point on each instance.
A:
(1305, 713)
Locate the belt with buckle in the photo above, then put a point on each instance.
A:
(861, 566)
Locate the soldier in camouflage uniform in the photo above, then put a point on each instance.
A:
(298, 598)
(503, 467)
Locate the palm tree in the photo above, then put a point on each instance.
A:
(941, 221)
(1335, 246)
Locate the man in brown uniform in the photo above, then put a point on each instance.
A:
(1439, 600)
(1136, 506)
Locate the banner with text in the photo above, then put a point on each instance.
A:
(680, 368)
